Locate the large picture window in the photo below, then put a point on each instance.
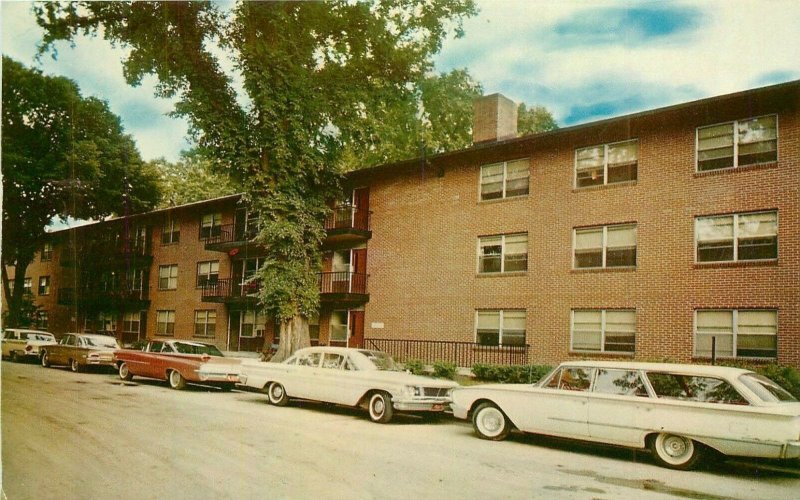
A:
(505, 179)
(604, 330)
(737, 237)
(504, 253)
(606, 164)
(165, 323)
(737, 143)
(500, 327)
(738, 332)
(605, 246)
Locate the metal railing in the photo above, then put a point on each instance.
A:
(67, 296)
(348, 217)
(227, 233)
(342, 282)
(229, 287)
(463, 354)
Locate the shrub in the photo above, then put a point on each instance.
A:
(510, 374)
(444, 369)
(785, 376)
(415, 366)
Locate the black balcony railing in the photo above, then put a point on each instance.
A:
(228, 233)
(229, 288)
(343, 283)
(348, 217)
(100, 293)
(463, 354)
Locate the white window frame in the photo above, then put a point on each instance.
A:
(256, 316)
(501, 326)
(137, 321)
(736, 237)
(47, 252)
(215, 222)
(207, 275)
(205, 314)
(605, 164)
(44, 286)
(167, 315)
(604, 265)
(735, 332)
(505, 180)
(170, 278)
(502, 254)
(346, 325)
(602, 331)
(171, 227)
(735, 124)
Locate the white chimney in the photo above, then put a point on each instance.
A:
(495, 119)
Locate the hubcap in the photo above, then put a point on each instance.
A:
(277, 392)
(491, 421)
(675, 446)
(377, 406)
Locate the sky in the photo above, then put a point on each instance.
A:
(583, 60)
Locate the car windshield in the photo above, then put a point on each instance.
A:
(196, 348)
(23, 335)
(41, 336)
(766, 389)
(381, 360)
(100, 341)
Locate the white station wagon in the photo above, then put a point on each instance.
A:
(351, 377)
(680, 412)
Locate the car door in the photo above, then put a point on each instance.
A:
(617, 404)
(559, 408)
(301, 380)
(64, 350)
(336, 380)
(9, 341)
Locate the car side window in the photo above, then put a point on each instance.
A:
(8, 335)
(155, 347)
(68, 340)
(694, 388)
(619, 382)
(332, 361)
(310, 359)
(571, 379)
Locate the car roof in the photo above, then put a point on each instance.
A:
(709, 370)
(26, 330)
(327, 348)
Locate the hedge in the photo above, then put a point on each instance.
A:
(506, 374)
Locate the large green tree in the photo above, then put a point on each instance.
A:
(190, 179)
(63, 155)
(306, 73)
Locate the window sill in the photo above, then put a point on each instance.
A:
(738, 263)
(167, 289)
(170, 244)
(500, 200)
(604, 186)
(602, 354)
(604, 270)
(740, 359)
(502, 275)
(732, 170)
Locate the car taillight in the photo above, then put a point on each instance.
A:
(29, 348)
(205, 358)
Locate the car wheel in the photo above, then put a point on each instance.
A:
(277, 394)
(75, 366)
(124, 373)
(14, 357)
(676, 452)
(176, 380)
(380, 407)
(490, 422)
(45, 360)
(227, 387)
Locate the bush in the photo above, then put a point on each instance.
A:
(444, 369)
(510, 374)
(785, 376)
(415, 366)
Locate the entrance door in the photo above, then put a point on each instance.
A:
(359, 281)
(361, 208)
(356, 329)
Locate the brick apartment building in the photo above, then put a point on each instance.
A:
(652, 235)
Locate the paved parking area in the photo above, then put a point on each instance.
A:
(88, 435)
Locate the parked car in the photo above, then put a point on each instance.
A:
(351, 377)
(179, 362)
(680, 412)
(20, 344)
(80, 350)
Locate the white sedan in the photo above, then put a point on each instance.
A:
(679, 412)
(351, 377)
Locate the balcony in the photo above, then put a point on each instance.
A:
(343, 288)
(227, 237)
(230, 291)
(107, 253)
(347, 225)
(104, 297)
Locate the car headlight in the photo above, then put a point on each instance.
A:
(414, 391)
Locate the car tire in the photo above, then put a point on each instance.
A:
(380, 407)
(227, 387)
(176, 380)
(277, 394)
(124, 373)
(490, 422)
(75, 366)
(676, 452)
(45, 360)
(14, 357)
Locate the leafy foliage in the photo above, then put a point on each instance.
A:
(63, 155)
(510, 374)
(534, 119)
(190, 179)
(444, 369)
(415, 366)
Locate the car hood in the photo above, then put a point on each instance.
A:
(498, 387)
(406, 378)
(42, 342)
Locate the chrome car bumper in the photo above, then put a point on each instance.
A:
(218, 377)
(459, 411)
(423, 405)
(791, 450)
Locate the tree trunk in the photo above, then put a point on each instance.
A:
(294, 336)
(14, 299)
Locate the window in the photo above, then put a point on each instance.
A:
(210, 225)
(605, 246)
(694, 388)
(619, 382)
(168, 277)
(731, 238)
(207, 273)
(42, 320)
(313, 328)
(339, 327)
(505, 253)
(44, 285)
(738, 143)
(107, 322)
(47, 252)
(253, 324)
(571, 379)
(606, 164)
(205, 323)
(738, 333)
(500, 327)
(165, 323)
(505, 180)
(27, 286)
(604, 330)
(170, 231)
(131, 322)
